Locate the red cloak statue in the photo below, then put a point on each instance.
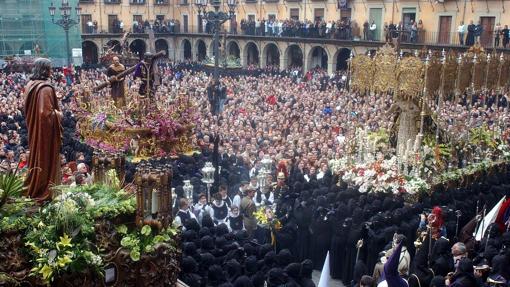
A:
(44, 127)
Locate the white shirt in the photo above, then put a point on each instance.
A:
(199, 211)
(373, 27)
(178, 222)
(460, 29)
(237, 200)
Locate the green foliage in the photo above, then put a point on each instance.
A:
(11, 185)
(144, 240)
(381, 137)
(108, 201)
(13, 215)
(483, 136)
(60, 237)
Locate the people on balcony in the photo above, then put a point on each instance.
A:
(497, 34)
(461, 30)
(506, 36)
(470, 39)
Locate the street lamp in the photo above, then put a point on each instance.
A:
(65, 22)
(217, 18)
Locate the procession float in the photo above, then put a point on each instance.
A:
(422, 150)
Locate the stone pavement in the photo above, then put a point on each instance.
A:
(316, 276)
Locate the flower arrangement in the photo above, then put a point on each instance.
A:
(59, 238)
(112, 130)
(265, 216)
(144, 240)
(383, 176)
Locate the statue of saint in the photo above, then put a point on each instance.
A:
(117, 84)
(43, 118)
(408, 118)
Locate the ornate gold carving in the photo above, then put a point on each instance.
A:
(478, 78)
(465, 74)
(362, 73)
(433, 76)
(505, 73)
(492, 71)
(385, 79)
(410, 78)
(450, 74)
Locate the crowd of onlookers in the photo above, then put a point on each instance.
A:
(301, 120)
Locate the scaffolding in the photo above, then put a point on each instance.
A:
(26, 30)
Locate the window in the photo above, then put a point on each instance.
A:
(112, 1)
(200, 24)
(318, 14)
(87, 27)
(345, 14)
(184, 2)
(138, 18)
(185, 23)
(160, 2)
(251, 17)
(408, 14)
(271, 17)
(136, 2)
(294, 13)
(112, 23)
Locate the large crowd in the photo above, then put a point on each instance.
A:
(302, 121)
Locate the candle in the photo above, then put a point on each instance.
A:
(409, 146)
(155, 202)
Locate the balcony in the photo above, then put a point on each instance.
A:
(271, 1)
(137, 2)
(86, 1)
(251, 1)
(111, 1)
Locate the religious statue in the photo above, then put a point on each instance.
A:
(147, 71)
(43, 118)
(406, 123)
(116, 83)
(134, 145)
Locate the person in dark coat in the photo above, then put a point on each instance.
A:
(321, 233)
(189, 267)
(306, 273)
(464, 275)
(470, 39)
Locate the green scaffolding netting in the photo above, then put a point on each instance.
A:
(26, 24)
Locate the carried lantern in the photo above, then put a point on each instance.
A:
(208, 177)
(153, 196)
(188, 190)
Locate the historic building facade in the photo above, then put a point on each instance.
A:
(104, 21)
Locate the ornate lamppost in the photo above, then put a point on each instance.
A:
(65, 22)
(217, 18)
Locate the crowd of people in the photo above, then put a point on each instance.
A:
(340, 29)
(268, 112)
